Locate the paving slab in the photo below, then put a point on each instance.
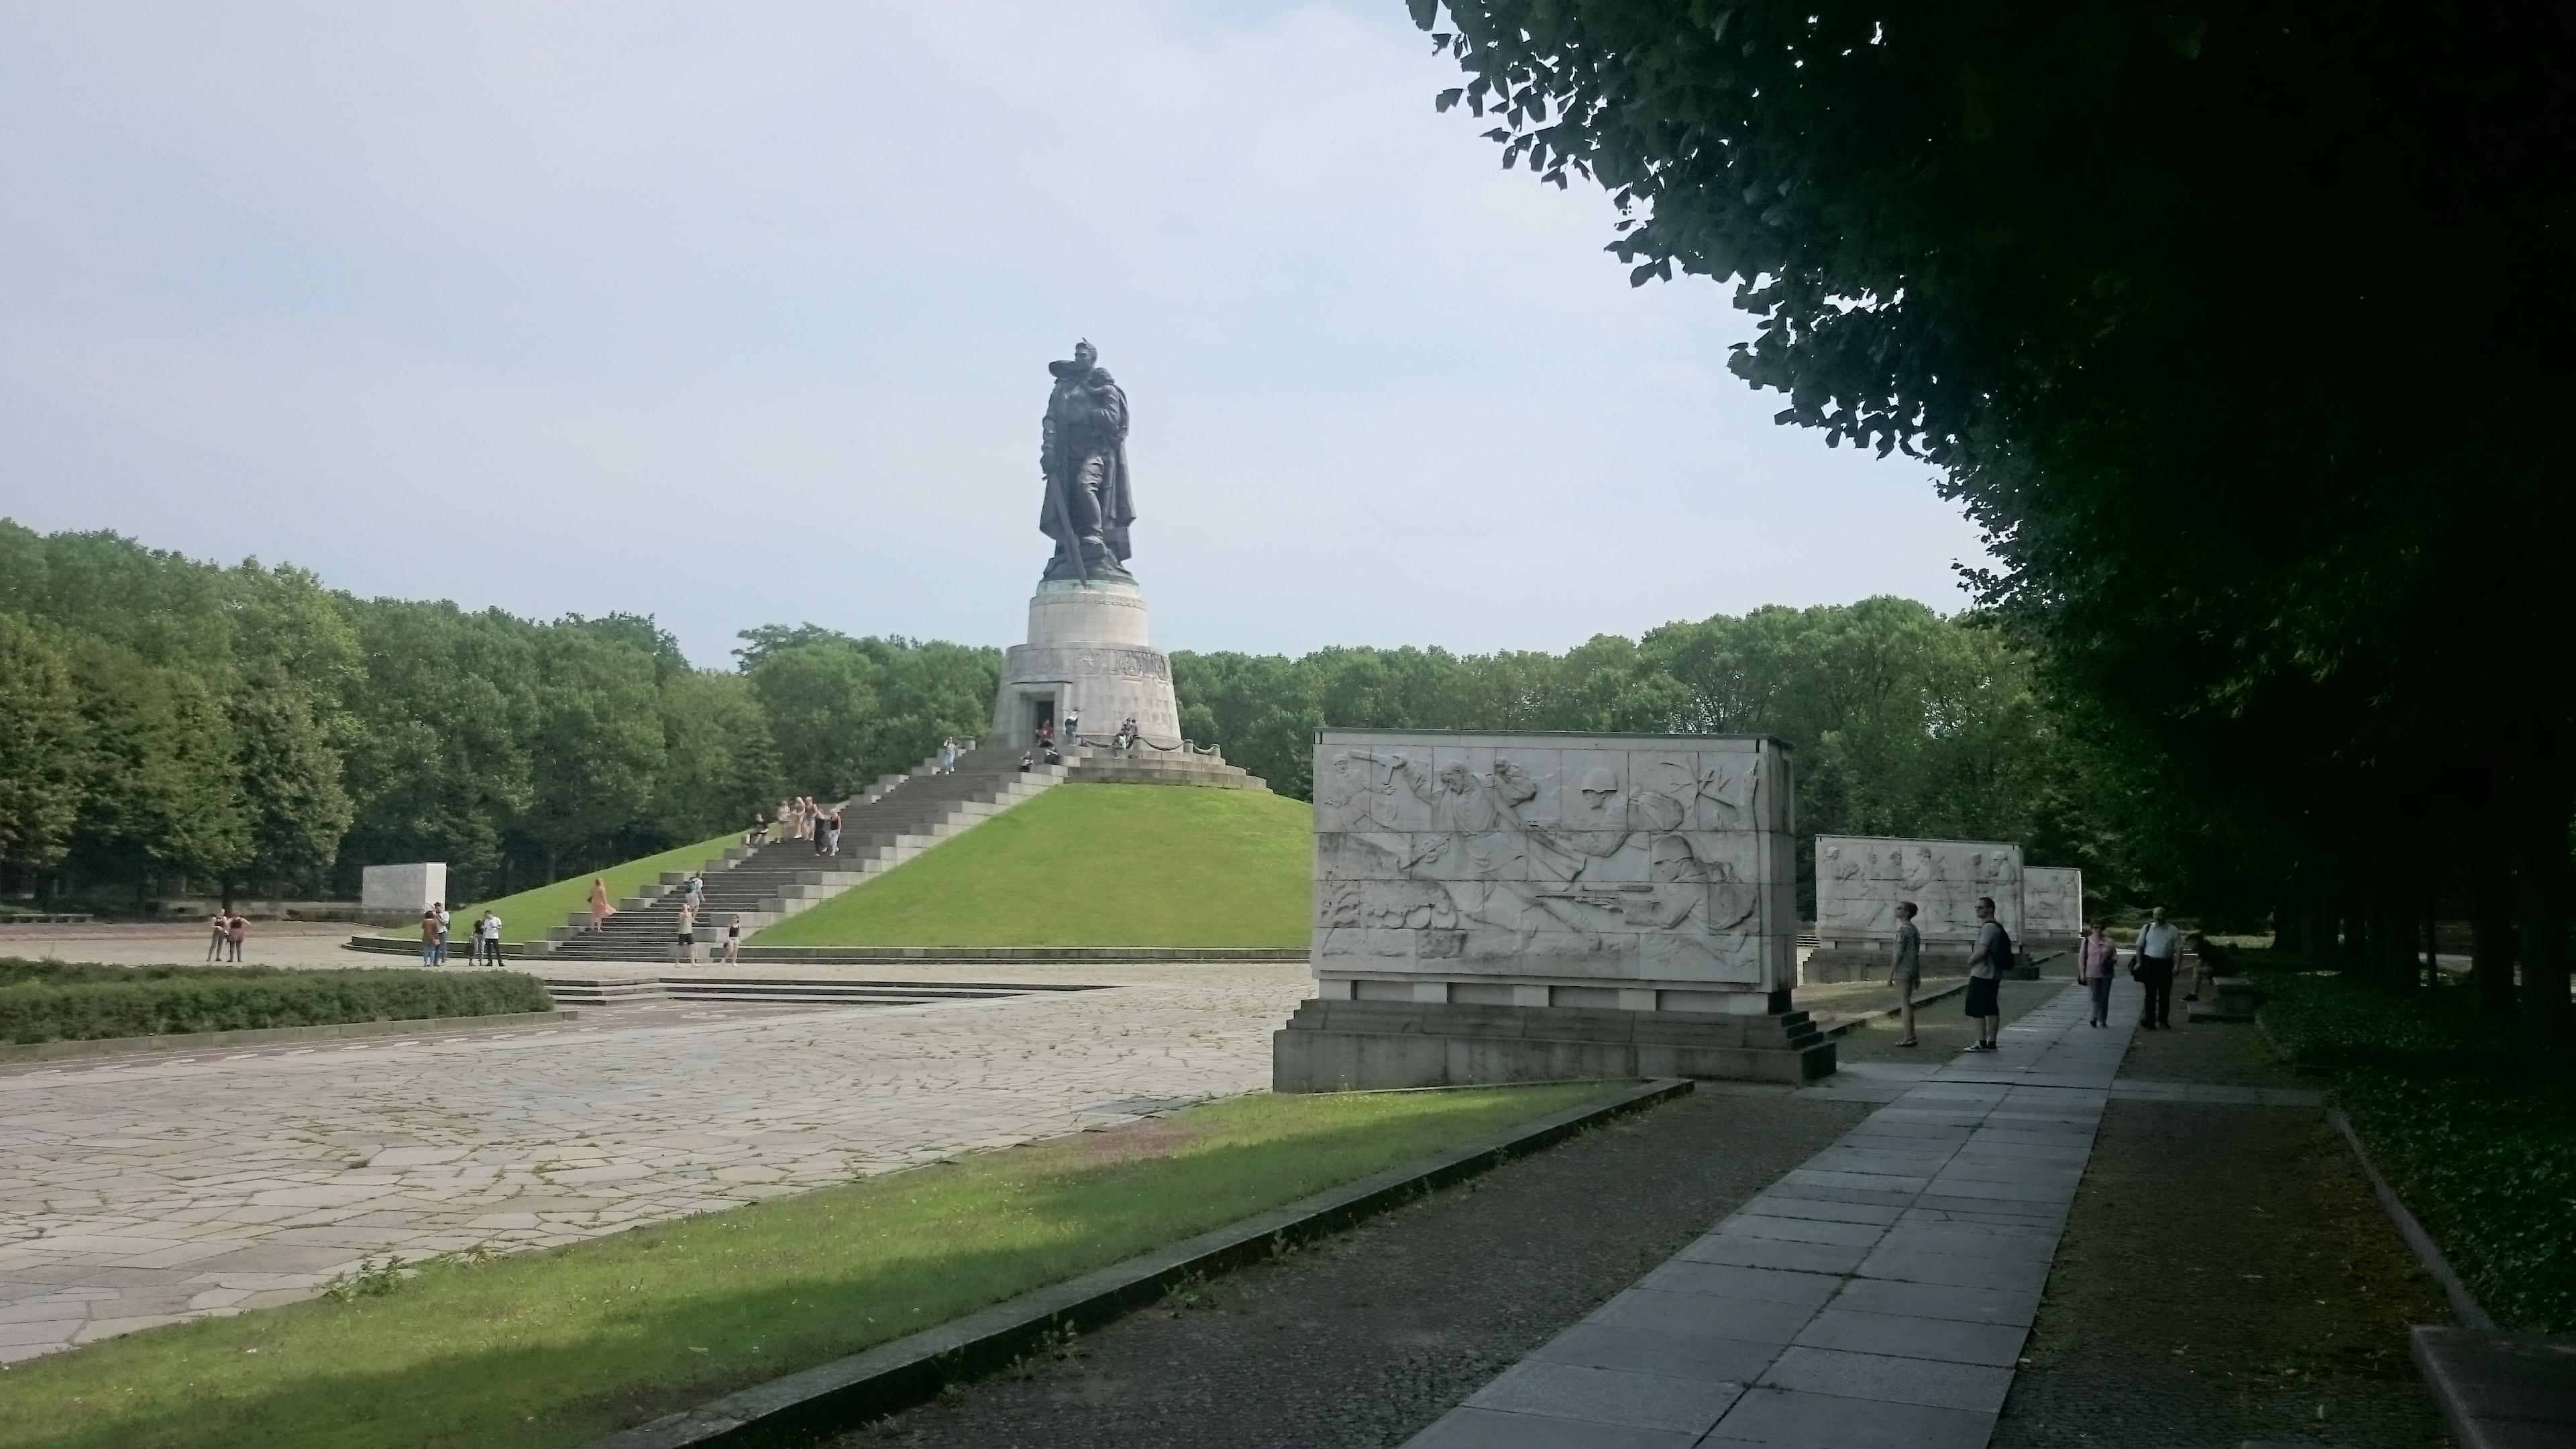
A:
(151, 1183)
(1885, 1286)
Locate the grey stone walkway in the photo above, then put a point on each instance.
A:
(142, 1191)
(1878, 1295)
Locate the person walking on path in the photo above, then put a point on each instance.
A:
(693, 893)
(1905, 973)
(1986, 963)
(733, 941)
(600, 909)
(428, 937)
(235, 931)
(218, 926)
(2158, 943)
(832, 833)
(684, 943)
(2095, 958)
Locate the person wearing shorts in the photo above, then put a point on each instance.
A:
(1985, 976)
(1905, 973)
(684, 947)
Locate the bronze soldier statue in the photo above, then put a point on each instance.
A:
(1083, 453)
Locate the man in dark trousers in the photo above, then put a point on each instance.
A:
(1986, 963)
(2158, 943)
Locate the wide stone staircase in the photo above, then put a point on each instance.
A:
(894, 820)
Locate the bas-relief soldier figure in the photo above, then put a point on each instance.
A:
(1082, 451)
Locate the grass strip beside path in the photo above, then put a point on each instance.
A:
(2473, 1125)
(560, 1347)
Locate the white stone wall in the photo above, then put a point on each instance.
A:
(1860, 879)
(1650, 872)
(2052, 902)
(404, 889)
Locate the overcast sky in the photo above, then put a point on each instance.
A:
(737, 314)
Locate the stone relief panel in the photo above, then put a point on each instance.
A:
(2052, 901)
(1623, 858)
(1860, 879)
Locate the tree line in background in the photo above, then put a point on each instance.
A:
(1902, 722)
(170, 727)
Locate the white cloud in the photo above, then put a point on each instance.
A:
(739, 314)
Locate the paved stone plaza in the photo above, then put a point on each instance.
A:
(136, 1192)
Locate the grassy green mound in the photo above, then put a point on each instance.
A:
(1092, 865)
(58, 1001)
(558, 1348)
(528, 915)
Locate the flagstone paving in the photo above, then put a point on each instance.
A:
(1877, 1295)
(139, 1192)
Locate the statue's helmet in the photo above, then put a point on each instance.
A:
(1599, 785)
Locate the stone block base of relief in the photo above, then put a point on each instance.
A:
(1345, 1046)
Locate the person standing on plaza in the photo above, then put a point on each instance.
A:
(684, 942)
(218, 926)
(1905, 973)
(733, 941)
(444, 921)
(2096, 957)
(487, 937)
(1986, 963)
(428, 936)
(2158, 943)
(236, 931)
(600, 909)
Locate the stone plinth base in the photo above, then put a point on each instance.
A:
(2231, 999)
(1340, 1046)
(1086, 654)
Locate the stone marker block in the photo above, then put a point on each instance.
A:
(1535, 907)
(401, 890)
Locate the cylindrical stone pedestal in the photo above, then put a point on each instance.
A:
(1087, 652)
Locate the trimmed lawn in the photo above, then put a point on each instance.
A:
(1092, 865)
(557, 1348)
(528, 915)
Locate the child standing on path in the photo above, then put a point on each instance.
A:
(1905, 973)
(2094, 960)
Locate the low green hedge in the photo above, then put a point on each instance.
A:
(57, 1001)
(2476, 1130)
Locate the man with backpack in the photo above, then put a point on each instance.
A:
(1986, 962)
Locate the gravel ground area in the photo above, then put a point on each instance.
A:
(1366, 1338)
(2226, 1278)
